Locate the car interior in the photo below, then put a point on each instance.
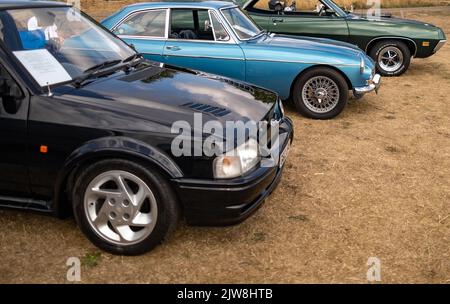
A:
(191, 24)
(292, 7)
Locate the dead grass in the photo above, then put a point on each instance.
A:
(372, 183)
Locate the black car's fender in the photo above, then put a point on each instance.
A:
(108, 147)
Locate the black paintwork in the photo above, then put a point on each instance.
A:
(127, 115)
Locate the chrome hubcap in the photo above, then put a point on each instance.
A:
(120, 207)
(390, 59)
(320, 94)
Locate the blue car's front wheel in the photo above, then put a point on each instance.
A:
(320, 93)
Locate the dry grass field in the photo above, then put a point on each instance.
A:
(375, 182)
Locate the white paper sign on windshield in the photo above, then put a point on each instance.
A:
(43, 66)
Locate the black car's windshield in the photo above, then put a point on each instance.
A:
(58, 44)
(243, 26)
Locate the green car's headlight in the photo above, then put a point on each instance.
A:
(238, 161)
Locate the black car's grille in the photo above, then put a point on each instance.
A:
(204, 108)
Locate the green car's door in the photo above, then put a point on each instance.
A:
(300, 19)
(333, 27)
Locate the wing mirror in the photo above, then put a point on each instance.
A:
(11, 95)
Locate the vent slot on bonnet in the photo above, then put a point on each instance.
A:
(204, 108)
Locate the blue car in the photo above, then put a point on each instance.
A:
(219, 38)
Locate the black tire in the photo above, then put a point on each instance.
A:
(168, 210)
(381, 47)
(301, 104)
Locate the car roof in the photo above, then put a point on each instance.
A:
(28, 4)
(188, 3)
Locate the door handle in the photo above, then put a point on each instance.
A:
(277, 20)
(173, 48)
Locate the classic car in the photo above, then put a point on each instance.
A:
(217, 37)
(390, 42)
(86, 126)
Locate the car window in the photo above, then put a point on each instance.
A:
(149, 23)
(220, 34)
(191, 24)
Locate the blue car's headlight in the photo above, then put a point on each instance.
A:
(362, 65)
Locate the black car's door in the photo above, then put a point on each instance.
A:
(14, 179)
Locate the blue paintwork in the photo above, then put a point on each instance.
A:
(270, 61)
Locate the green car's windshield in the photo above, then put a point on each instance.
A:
(58, 44)
(243, 26)
(336, 8)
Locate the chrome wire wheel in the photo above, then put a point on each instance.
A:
(390, 59)
(120, 208)
(320, 94)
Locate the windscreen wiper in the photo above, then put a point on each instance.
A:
(93, 71)
(134, 59)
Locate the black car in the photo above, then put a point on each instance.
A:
(87, 125)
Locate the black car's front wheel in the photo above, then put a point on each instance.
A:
(320, 93)
(123, 207)
(392, 57)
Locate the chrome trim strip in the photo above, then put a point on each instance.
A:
(204, 57)
(439, 45)
(141, 37)
(300, 61)
(393, 37)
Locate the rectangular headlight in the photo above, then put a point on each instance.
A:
(238, 161)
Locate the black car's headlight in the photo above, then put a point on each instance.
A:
(238, 161)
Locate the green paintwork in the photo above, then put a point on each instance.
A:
(359, 30)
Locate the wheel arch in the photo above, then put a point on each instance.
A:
(107, 148)
(411, 44)
(347, 80)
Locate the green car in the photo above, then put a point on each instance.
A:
(390, 42)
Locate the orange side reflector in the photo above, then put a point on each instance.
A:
(425, 43)
(43, 149)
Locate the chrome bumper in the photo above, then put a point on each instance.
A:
(374, 85)
(439, 45)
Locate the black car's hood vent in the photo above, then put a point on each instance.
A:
(204, 108)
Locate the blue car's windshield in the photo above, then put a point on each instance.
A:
(58, 44)
(243, 26)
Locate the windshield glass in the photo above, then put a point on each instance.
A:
(336, 8)
(242, 25)
(58, 44)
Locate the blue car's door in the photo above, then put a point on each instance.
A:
(146, 31)
(199, 41)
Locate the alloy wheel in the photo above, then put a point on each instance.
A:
(120, 208)
(390, 59)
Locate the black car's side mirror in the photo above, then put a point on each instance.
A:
(11, 95)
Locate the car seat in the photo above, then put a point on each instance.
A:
(32, 40)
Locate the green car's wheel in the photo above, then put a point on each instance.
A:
(320, 93)
(391, 56)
